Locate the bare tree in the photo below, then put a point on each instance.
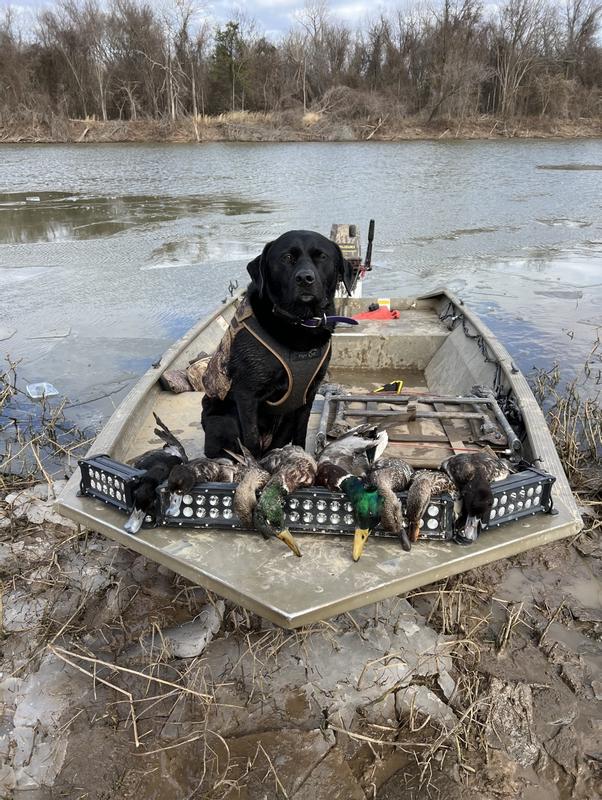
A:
(116, 58)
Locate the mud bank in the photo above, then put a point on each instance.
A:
(485, 686)
(286, 127)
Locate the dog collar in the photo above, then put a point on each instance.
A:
(319, 322)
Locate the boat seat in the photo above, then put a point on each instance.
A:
(410, 341)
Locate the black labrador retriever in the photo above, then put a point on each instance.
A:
(262, 380)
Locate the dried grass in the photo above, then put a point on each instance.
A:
(36, 438)
(574, 415)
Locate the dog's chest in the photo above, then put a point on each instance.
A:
(294, 370)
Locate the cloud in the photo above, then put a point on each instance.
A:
(351, 11)
(267, 4)
(275, 17)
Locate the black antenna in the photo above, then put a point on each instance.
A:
(368, 258)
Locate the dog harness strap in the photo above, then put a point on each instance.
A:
(301, 367)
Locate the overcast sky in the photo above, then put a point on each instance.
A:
(272, 16)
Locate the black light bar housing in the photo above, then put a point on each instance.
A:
(314, 510)
(520, 495)
(108, 480)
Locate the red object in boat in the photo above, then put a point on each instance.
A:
(380, 313)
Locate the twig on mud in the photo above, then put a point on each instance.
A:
(370, 739)
(59, 652)
(118, 668)
(273, 770)
(513, 620)
(550, 623)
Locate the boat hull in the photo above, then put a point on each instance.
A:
(432, 350)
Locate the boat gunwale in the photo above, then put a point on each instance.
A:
(538, 433)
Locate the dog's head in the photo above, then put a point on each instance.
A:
(299, 272)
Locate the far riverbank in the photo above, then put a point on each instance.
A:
(286, 126)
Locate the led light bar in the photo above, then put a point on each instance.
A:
(106, 479)
(315, 510)
(520, 495)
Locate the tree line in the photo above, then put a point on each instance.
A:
(129, 60)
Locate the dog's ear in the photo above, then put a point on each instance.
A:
(257, 269)
(346, 273)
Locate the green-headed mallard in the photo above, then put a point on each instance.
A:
(340, 465)
(425, 483)
(473, 473)
(293, 469)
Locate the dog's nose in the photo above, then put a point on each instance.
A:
(305, 277)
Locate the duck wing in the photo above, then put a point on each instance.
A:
(206, 470)
(273, 460)
(466, 466)
(392, 472)
(172, 444)
(297, 471)
(155, 459)
(494, 468)
(363, 444)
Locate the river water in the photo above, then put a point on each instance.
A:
(110, 252)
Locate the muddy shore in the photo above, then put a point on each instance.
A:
(484, 686)
(285, 127)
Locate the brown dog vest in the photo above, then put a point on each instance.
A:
(301, 367)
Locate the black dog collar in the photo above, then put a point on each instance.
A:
(312, 322)
(320, 322)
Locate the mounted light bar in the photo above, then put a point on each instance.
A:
(316, 510)
(520, 495)
(106, 479)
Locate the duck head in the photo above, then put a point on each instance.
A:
(366, 502)
(419, 495)
(180, 482)
(145, 499)
(268, 517)
(477, 499)
(393, 520)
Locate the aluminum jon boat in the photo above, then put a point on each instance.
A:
(441, 350)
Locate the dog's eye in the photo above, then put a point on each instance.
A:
(288, 258)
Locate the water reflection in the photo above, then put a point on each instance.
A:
(62, 216)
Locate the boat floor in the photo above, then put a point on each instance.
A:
(265, 576)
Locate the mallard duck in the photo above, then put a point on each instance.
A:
(340, 466)
(391, 475)
(157, 465)
(473, 473)
(251, 480)
(294, 469)
(425, 483)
